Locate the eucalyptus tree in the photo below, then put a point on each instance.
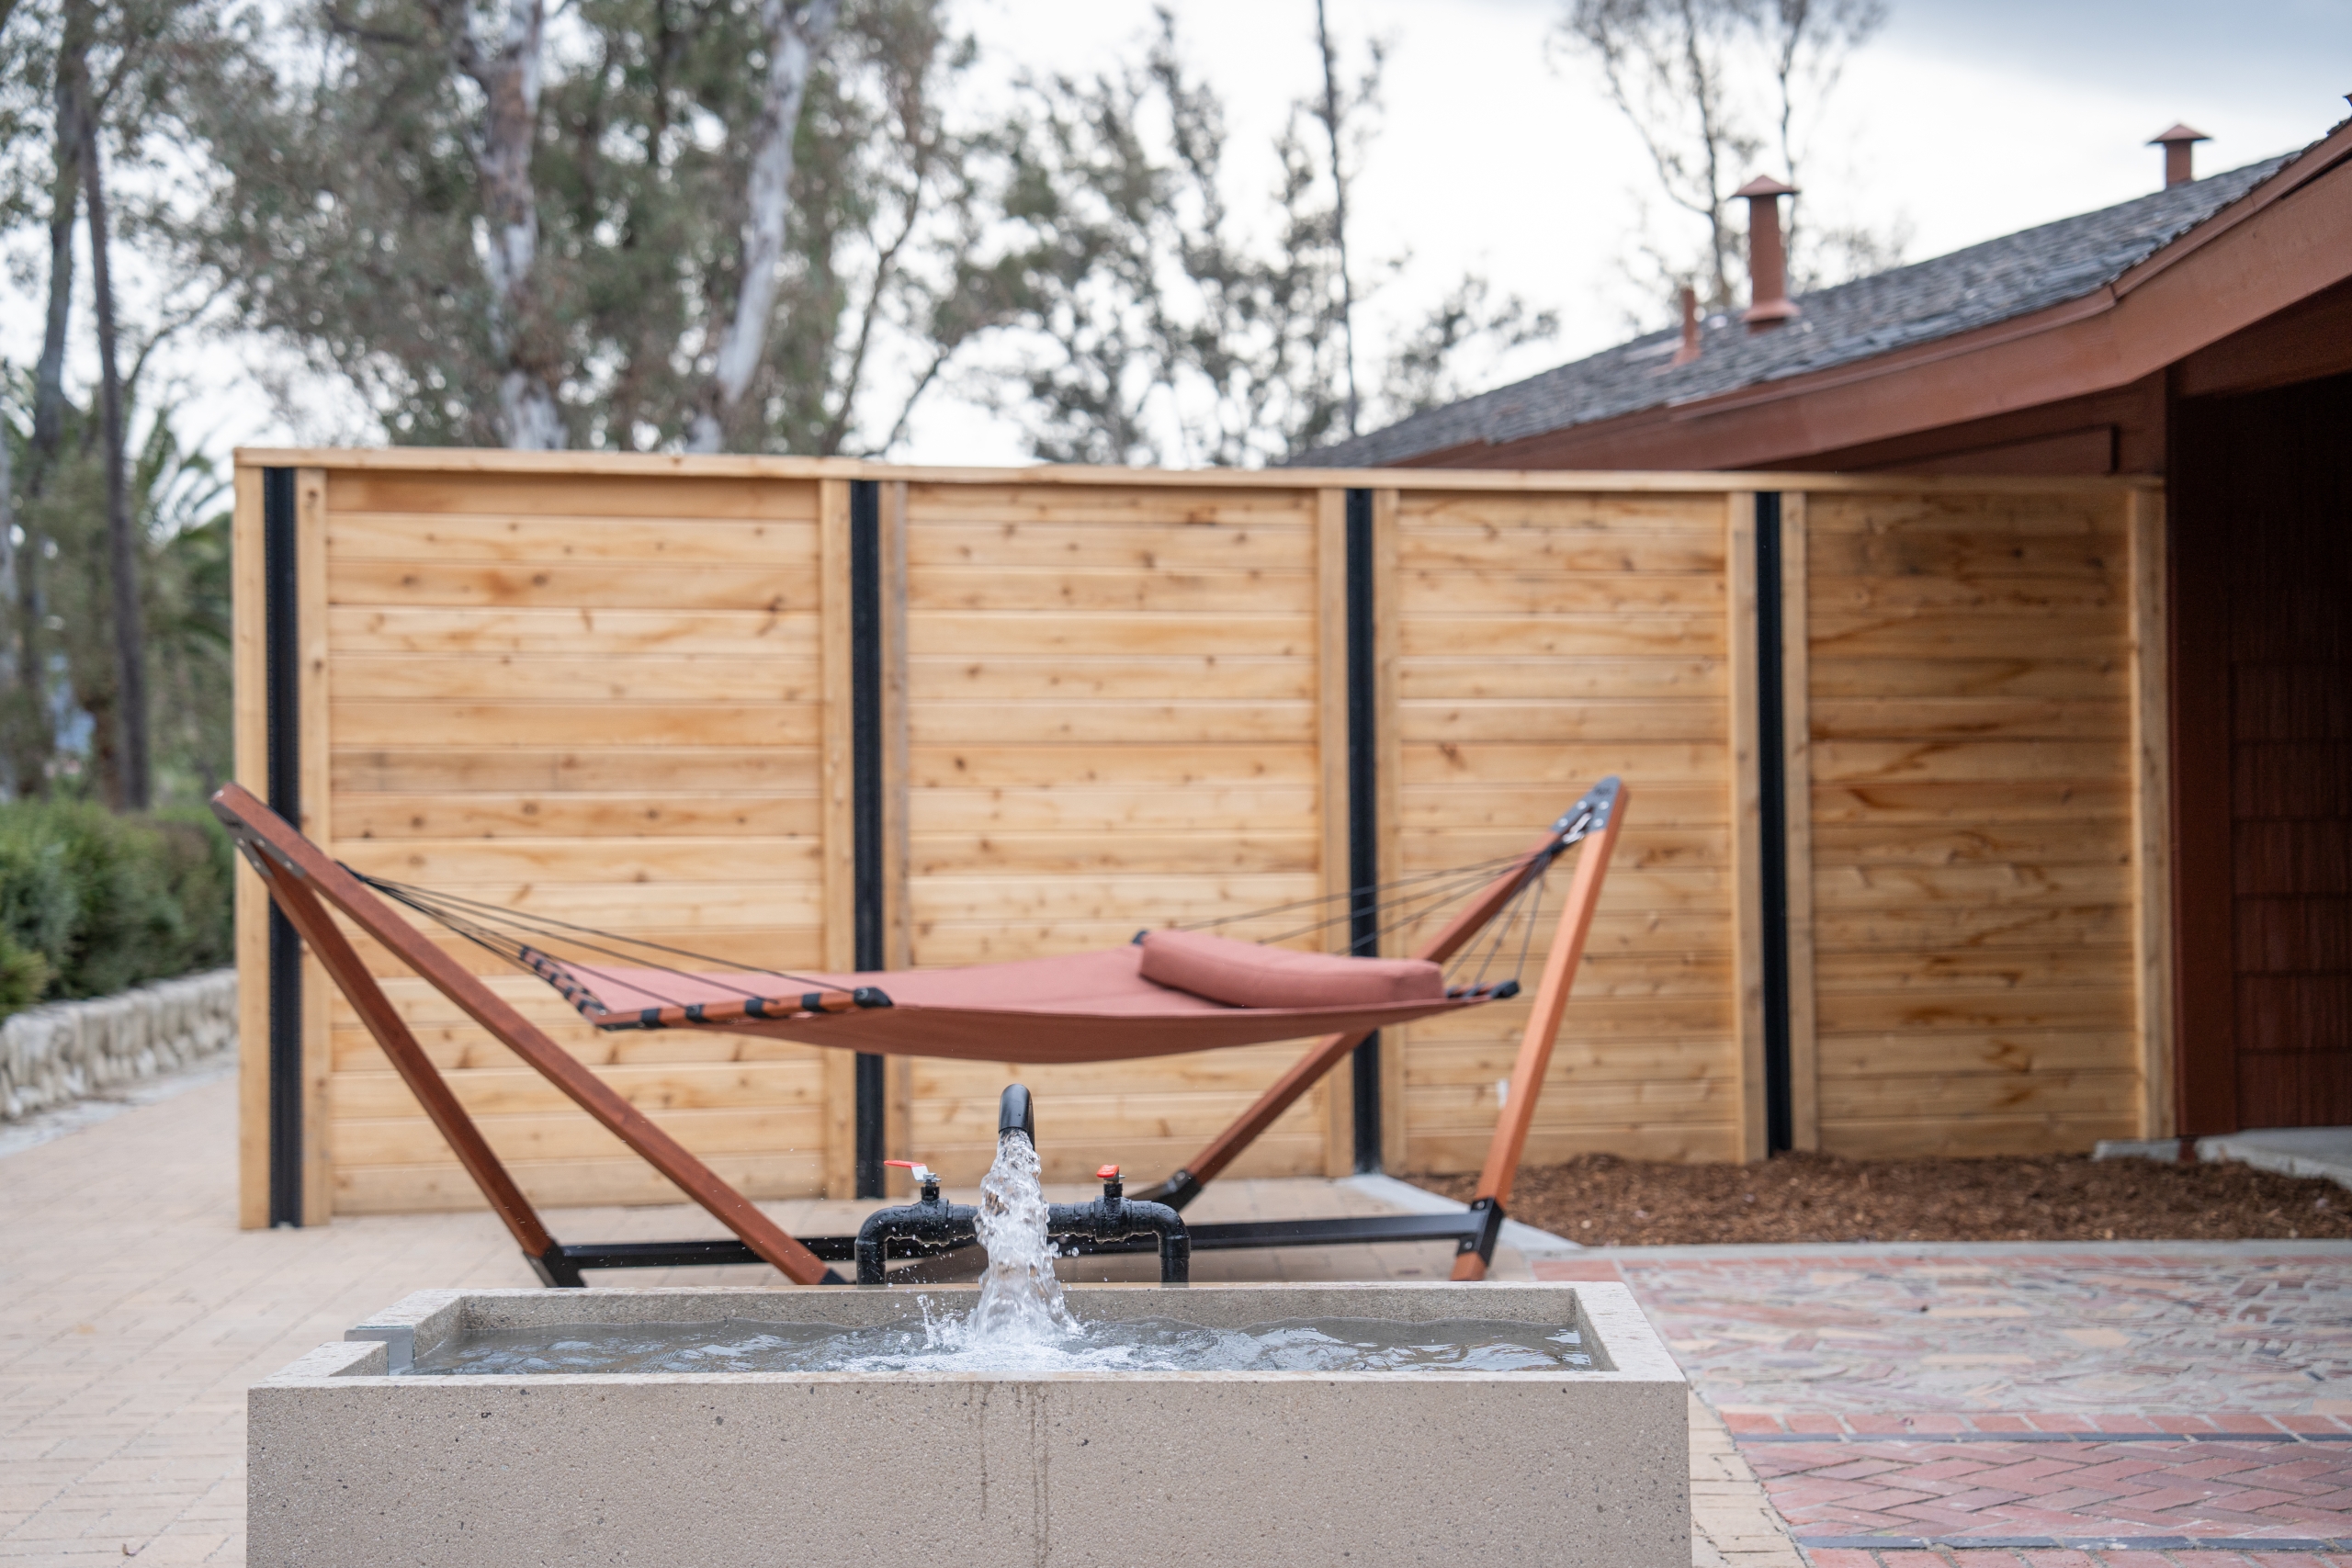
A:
(80, 83)
(1159, 315)
(1710, 88)
(738, 211)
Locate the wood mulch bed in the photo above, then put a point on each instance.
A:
(1603, 1200)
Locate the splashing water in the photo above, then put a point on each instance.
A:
(1021, 1301)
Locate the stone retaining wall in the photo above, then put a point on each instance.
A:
(68, 1050)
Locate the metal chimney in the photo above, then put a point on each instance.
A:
(1767, 262)
(2179, 144)
(1689, 348)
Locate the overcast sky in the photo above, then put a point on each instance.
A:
(1963, 119)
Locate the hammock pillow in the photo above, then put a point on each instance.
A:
(1245, 975)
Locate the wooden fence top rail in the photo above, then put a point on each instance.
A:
(451, 459)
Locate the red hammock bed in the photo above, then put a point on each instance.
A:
(1079, 1006)
(1168, 991)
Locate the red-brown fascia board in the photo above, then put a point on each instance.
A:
(2261, 255)
(2320, 159)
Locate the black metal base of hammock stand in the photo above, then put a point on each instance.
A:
(931, 1227)
(1476, 1229)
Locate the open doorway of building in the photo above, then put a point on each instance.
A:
(2261, 602)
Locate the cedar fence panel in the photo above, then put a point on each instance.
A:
(618, 691)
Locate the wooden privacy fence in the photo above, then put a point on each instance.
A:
(1893, 879)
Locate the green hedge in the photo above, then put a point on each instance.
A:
(92, 903)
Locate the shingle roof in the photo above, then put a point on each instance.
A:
(2013, 275)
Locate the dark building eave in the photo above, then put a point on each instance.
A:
(2284, 243)
(2093, 341)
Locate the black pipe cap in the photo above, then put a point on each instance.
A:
(1015, 1113)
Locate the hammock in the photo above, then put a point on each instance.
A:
(1181, 989)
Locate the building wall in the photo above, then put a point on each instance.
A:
(2263, 488)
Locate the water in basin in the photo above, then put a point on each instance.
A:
(932, 1345)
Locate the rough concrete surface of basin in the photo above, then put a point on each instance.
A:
(355, 1462)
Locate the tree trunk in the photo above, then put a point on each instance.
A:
(20, 683)
(36, 739)
(1331, 116)
(795, 36)
(509, 79)
(137, 773)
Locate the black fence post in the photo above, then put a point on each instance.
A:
(1772, 795)
(1363, 818)
(866, 805)
(282, 697)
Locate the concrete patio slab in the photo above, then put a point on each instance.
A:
(2314, 1152)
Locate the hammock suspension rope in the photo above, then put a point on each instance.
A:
(1399, 903)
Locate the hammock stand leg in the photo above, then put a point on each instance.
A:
(319, 933)
(1609, 798)
(1518, 1115)
(300, 877)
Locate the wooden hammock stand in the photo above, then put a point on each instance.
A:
(304, 883)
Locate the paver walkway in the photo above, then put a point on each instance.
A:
(2126, 1404)
(133, 1315)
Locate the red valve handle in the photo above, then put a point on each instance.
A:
(1108, 1173)
(903, 1164)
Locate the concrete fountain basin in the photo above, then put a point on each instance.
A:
(356, 1460)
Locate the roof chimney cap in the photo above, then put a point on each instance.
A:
(1767, 261)
(2180, 145)
(1688, 349)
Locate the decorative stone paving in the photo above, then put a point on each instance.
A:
(2120, 1405)
(2234, 1328)
(2070, 1557)
(1980, 1486)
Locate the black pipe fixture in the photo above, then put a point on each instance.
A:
(931, 1226)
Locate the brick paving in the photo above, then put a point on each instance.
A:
(2122, 1405)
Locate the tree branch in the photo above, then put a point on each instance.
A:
(338, 22)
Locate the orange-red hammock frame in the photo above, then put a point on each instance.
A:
(305, 882)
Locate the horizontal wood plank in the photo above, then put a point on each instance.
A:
(1067, 721)
(501, 679)
(443, 1187)
(623, 814)
(1096, 634)
(1476, 634)
(1012, 677)
(1183, 502)
(363, 1095)
(571, 632)
(1560, 722)
(362, 483)
(1970, 718)
(709, 770)
(1145, 765)
(541, 537)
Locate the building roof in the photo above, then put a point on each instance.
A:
(2013, 275)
